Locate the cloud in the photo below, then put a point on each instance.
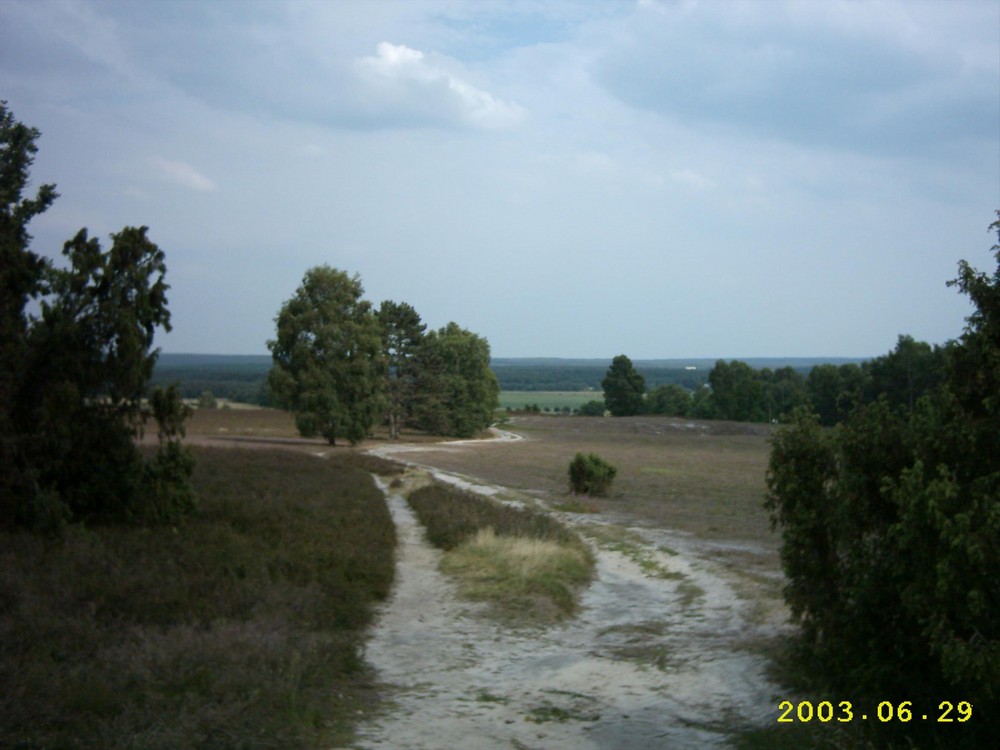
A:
(404, 83)
(870, 78)
(184, 175)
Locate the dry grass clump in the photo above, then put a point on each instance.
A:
(519, 571)
(525, 561)
(451, 516)
(241, 628)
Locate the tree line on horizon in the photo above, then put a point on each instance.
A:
(737, 392)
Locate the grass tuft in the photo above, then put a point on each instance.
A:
(518, 570)
(519, 558)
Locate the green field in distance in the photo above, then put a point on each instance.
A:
(548, 399)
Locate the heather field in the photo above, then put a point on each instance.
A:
(704, 478)
(243, 627)
(247, 625)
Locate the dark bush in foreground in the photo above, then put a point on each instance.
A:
(890, 527)
(242, 628)
(590, 475)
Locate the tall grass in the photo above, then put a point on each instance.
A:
(451, 516)
(525, 561)
(240, 628)
(521, 572)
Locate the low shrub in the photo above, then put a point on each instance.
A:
(451, 516)
(240, 627)
(590, 475)
(522, 560)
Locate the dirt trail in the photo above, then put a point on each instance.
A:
(651, 661)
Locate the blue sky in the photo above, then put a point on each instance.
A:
(567, 179)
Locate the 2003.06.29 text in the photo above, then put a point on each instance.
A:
(845, 711)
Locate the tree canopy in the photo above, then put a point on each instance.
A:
(340, 366)
(73, 377)
(402, 335)
(456, 391)
(624, 388)
(328, 357)
(890, 526)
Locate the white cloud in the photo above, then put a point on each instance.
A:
(184, 175)
(404, 82)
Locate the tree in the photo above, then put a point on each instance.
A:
(329, 368)
(891, 531)
(784, 391)
(74, 376)
(912, 369)
(22, 277)
(456, 391)
(402, 335)
(624, 388)
(672, 400)
(737, 393)
(701, 403)
(834, 391)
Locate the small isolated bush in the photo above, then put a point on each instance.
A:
(590, 475)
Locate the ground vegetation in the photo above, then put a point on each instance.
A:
(589, 474)
(242, 627)
(524, 561)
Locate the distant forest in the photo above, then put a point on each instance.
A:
(243, 377)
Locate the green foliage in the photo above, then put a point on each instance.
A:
(403, 334)
(593, 408)
(590, 474)
(329, 367)
(456, 391)
(834, 391)
(73, 376)
(670, 400)
(912, 369)
(891, 527)
(737, 392)
(624, 388)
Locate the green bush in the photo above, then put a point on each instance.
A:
(590, 475)
(889, 526)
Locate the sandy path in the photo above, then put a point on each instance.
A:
(650, 662)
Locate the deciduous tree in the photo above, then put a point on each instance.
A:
(329, 367)
(402, 335)
(456, 391)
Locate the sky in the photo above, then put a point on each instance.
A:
(567, 179)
